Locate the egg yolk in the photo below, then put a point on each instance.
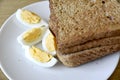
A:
(40, 55)
(50, 43)
(32, 35)
(30, 17)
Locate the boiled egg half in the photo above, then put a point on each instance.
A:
(49, 43)
(31, 36)
(40, 57)
(29, 18)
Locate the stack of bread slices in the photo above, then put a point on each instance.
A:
(85, 30)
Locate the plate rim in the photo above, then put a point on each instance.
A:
(110, 74)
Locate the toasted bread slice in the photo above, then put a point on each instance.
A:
(75, 22)
(91, 44)
(85, 56)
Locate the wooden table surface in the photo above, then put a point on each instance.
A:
(8, 7)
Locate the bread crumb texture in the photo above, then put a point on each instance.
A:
(78, 21)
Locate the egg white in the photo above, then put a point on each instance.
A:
(18, 16)
(24, 44)
(44, 43)
(51, 63)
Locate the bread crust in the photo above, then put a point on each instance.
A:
(53, 20)
(91, 44)
(78, 58)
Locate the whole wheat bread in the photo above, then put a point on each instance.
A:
(75, 22)
(85, 56)
(92, 44)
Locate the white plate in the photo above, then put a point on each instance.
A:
(17, 67)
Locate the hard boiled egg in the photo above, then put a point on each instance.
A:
(40, 57)
(29, 18)
(49, 43)
(31, 36)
